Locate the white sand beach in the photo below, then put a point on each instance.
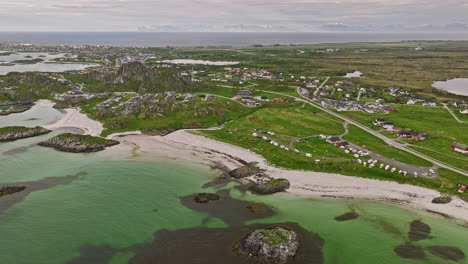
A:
(186, 146)
(74, 118)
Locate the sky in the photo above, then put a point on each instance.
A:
(233, 15)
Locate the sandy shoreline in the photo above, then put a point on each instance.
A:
(185, 146)
(75, 119)
(182, 145)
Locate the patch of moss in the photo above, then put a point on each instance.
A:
(276, 181)
(275, 236)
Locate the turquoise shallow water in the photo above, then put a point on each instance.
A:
(77, 200)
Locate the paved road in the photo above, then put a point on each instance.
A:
(323, 84)
(453, 114)
(387, 140)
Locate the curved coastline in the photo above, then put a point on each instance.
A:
(186, 146)
(182, 145)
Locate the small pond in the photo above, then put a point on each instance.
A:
(456, 86)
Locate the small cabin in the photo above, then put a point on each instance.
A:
(457, 147)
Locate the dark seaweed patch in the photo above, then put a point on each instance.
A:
(410, 251)
(232, 211)
(91, 254)
(448, 253)
(218, 245)
(419, 231)
(347, 217)
(9, 200)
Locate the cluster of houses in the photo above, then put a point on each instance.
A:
(344, 145)
(113, 102)
(389, 126)
(243, 74)
(109, 103)
(366, 107)
(426, 103)
(247, 98)
(345, 96)
(462, 106)
(371, 163)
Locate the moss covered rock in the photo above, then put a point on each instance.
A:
(272, 186)
(78, 143)
(272, 245)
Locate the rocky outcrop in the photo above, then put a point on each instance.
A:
(10, 190)
(272, 245)
(245, 171)
(19, 132)
(78, 143)
(133, 71)
(442, 200)
(15, 110)
(272, 186)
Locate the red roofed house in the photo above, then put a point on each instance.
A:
(404, 134)
(462, 187)
(459, 148)
(419, 136)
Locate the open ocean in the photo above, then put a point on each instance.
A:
(160, 39)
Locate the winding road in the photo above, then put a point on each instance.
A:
(453, 114)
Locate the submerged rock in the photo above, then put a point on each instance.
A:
(272, 245)
(206, 197)
(78, 143)
(19, 132)
(10, 190)
(272, 186)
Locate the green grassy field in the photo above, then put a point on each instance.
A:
(194, 114)
(298, 120)
(284, 122)
(383, 64)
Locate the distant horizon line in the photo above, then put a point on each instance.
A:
(256, 32)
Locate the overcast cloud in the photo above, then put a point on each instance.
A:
(232, 15)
